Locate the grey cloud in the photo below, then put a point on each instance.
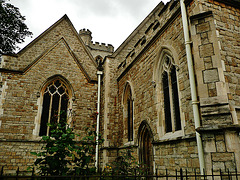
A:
(96, 7)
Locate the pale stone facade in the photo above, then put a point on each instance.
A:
(155, 48)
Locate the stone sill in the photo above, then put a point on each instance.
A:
(201, 15)
(121, 147)
(218, 128)
(20, 140)
(173, 140)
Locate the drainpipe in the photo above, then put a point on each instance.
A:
(193, 86)
(99, 73)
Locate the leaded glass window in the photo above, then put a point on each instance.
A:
(128, 103)
(54, 106)
(171, 98)
(130, 117)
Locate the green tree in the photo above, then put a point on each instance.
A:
(126, 165)
(13, 30)
(85, 152)
(57, 150)
(61, 152)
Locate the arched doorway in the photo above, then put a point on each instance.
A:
(145, 139)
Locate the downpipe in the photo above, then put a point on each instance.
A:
(192, 85)
(99, 74)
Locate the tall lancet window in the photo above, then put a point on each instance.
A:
(130, 118)
(128, 104)
(171, 98)
(54, 106)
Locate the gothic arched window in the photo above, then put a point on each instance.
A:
(128, 104)
(171, 98)
(54, 105)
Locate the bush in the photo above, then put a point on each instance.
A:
(60, 151)
(125, 164)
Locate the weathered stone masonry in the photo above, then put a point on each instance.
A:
(61, 52)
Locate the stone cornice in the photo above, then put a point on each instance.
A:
(218, 128)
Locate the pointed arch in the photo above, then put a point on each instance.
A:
(128, 88)
(56, 96)
(62, 78)
(144, 125)
(128, 105)
(166, 79)
(164, 51)
(145, 139)
(98, 59)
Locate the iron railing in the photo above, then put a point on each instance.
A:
(179, 174)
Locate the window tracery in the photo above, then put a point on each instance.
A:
(54, 105)
(170, 94)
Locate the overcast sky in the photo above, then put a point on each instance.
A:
(110, 21)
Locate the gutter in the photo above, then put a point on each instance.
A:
(99, 74)
(195, 101)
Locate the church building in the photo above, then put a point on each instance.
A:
(170, 92)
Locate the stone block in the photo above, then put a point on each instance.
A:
(208, 62)
(206, 50)
(210, 76)
(218, 165)
(231, 166)
(204, 38)
(213, 100)
(212, 91)
(209, 145)
(223, 157)
(221, 147)
(214, 110)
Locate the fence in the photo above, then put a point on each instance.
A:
(179, 174)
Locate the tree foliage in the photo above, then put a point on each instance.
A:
(57, 150)
(13, 30)
(126, 164)
(61, 154)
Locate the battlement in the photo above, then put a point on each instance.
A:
(85, 32)
(101, 46)
(86, 36)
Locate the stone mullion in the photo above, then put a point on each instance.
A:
(171, 100)
(50, 112)
(59, 107)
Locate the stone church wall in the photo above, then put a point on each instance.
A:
(209, 40)
(21, 97)
(137, 63)
(212, 31)
(173, 149)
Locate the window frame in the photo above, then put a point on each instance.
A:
(168, 68)
(169, 51)
(40, 95)
(52, 101)
(128, 117)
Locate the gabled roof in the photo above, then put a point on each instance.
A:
(62, 40)
(88, 65)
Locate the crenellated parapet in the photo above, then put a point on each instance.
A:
(102, 46)
(96, 48)
(86, 36)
